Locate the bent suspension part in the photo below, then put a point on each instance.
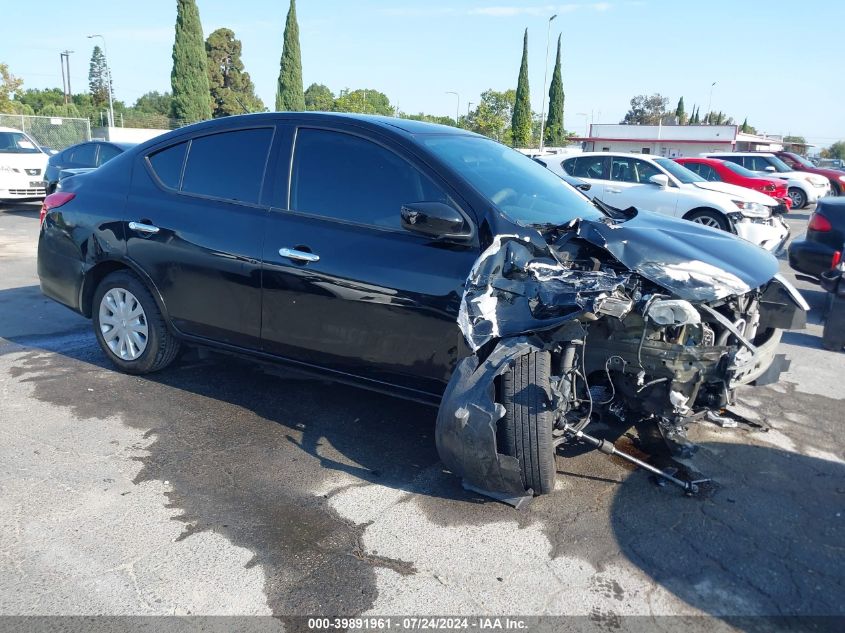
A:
(689, 487)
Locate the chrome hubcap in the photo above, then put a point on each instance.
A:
(707, 221)
(123, 324)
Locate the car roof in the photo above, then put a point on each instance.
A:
(403, 128)
(770, 154)
(622, 154)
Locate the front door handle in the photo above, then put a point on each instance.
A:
(143, 228)
(613, 190)
(299, 256)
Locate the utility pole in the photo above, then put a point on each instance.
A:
(545, 77)
(65, 59)
(64, 80)
(457, 107)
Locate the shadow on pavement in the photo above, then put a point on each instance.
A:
(732, 555)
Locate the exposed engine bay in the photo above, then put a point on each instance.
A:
(634, 333)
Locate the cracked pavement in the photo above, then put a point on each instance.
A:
(223, 487)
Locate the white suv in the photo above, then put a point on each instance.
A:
(662, 185)
(803, 188)
(22, 165)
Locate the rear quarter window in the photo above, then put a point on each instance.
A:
(167, 164)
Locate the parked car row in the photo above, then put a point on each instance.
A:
(29, 171)
(623, 180)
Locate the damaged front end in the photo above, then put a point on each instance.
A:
(642, 319)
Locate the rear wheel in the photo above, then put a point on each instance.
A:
(713, 219)
(129, 326)
(526, 430)
(798, 197)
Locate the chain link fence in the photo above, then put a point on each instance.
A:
(49, 131)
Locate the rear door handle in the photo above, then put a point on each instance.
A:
(300, 256)
(613, 190)
(143, 228)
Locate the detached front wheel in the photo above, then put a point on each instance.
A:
(525, 432)
(129, 326)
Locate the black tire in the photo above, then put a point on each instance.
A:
(161, 346)
(713, 219)
(526, 430)
(835, 191)
(798, 197)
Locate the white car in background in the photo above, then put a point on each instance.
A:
(803, 188)
(659, 184)
(22, 165)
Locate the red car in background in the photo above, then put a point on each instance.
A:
(716, 170)
(799, 163)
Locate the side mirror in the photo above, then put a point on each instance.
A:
(434, 219)
(770, 169)
(662, 180)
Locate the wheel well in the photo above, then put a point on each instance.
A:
(708, 209)
(93, 278)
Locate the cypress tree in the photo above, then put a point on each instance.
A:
(679, 111)
(554, 123)
(98, 78)
(189, 77)
(521, 120)
(744, 127)
(289, 93)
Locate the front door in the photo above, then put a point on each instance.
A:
(345, 287)
(194, 224)
(630, 186)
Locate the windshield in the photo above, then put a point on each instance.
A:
(679, 171)
(778, 164)
(802, 160)
(527, 192)
(739, 169)
(17, 143)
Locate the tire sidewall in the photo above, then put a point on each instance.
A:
(802, 198)
(706, 213)
(128, 281)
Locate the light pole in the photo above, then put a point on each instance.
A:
(108, 72)
(457, 107)
(545, 77)
(710, 101)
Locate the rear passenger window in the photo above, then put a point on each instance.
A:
(589, 167)
(107, 152)
(229, 165)
(167, 164)
(84, 155)
(345, 177)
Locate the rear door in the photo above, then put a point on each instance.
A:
(194, 224)
(345, 287)
(630, 187)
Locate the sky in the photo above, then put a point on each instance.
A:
(776, 62)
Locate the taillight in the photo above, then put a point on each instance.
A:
(834, 261)
(819, 223)
(54, 201)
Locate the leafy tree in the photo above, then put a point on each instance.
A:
(493, 114)
(431, 118)
(680, 113)
(364, 100)
(98, 78)
(319, 98)
(154, 102)
(837, 150)
(189, 77)
(646, 110)
(232, 90)
(521, 120)
(10, 87)
(554, 123)
(800, 140)
(289, 94)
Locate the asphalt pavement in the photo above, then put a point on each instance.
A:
(223, 487)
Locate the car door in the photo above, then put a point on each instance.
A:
(345, 286)
(592, 168)
(630, 186)
(194, 223)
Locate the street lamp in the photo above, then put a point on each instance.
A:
(710, 101)
(457, 107)
(108, 72)
(545, 77)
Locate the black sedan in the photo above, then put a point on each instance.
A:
(825, 238)
(90, 154)
(421, 260)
